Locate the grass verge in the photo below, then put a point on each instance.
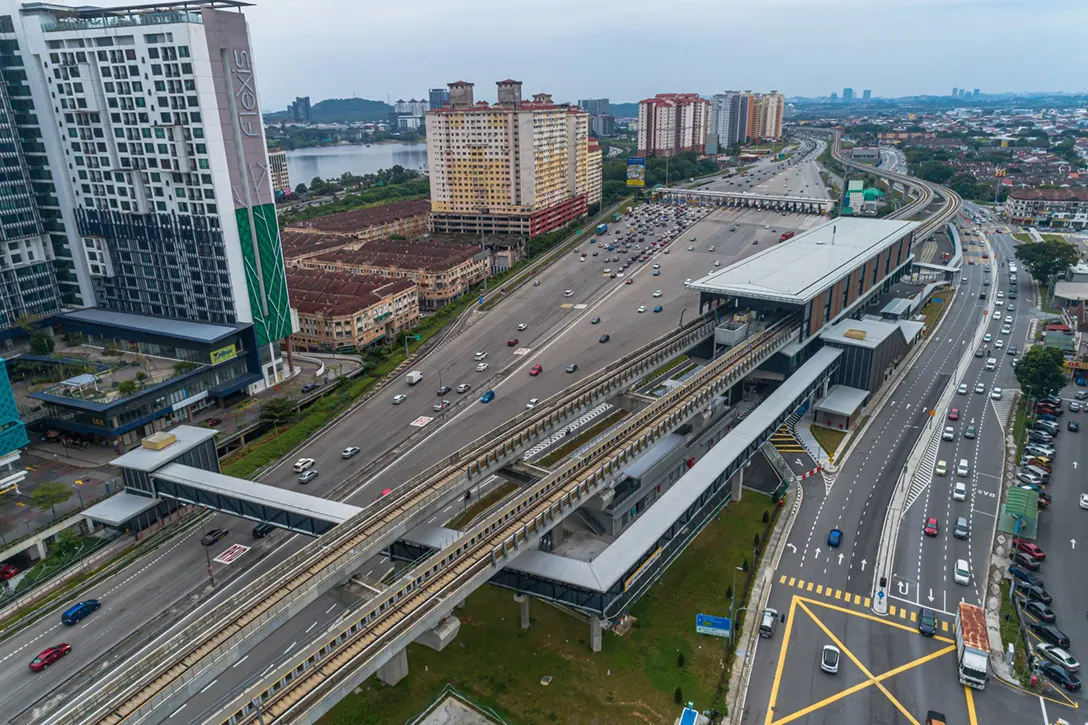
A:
(632, 681)
(1022, 237)
(829, 439)
(675, 362)
(482, 504)
(581, 438)
(932, 312)
(1009, 630)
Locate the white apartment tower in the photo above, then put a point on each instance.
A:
(670, 123)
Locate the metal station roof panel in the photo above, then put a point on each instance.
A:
(120, 508)
(868, 333)
(147, 459)
(797, 270)
(206, 332)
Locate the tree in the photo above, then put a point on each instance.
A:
(1041, 371)
(678, 696)
(679, 659)
(1048, 259)
(766, 516)
(49, 494)
(278, 411)
(936, 172)
(127, 387)
(300, 189)
(41, 343)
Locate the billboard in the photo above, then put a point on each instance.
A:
(636, 171)
(709, 624)
(223, 354)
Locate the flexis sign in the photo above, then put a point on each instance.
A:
(245, 95)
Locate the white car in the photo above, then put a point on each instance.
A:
(962, 390)
(657, 266)
(522, 326)
(1006, 330)
(532, 402)
(1084, 500)
(440, 406)
(999, 344)
(987, 337)
(980, 388)
(1059, 655)
(398, 399)
(996, 394)
(710, 249)
(480, 355)
(829, 659)
(691, 248)
(949, 433)
(961, 573)
(481, 367)
(641, 308)
(657, 293)
(717, 263)
(303, 464)
(941, 469)
(463, 388)
(959, 491)
(997, 317)
(568, 293)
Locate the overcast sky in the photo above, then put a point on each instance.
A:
(627, 50)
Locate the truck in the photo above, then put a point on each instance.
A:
(413, 377)
(972, 646)
(616, 216)
(787, 235)
(602, 229)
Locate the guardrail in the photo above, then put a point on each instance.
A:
(306, 571)
(438, 582)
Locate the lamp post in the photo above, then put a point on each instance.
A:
(732, 601)
(207, 555)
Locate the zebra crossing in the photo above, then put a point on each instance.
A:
(554, 438)
(924, 473)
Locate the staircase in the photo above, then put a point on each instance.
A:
(592, 522)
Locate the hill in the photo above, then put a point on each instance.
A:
(342, 110)
(623, 110)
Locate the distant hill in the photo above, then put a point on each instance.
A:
(623, 110)
(342, 110)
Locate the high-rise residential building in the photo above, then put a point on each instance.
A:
(670, 123)
(299, 109)
(515, 167)
(594, 171)
(158, 208)
(277, 169)
(437, 97)
(771, 108)
(602, 126)
(411, 107)
(847, 95)
(834, 98)
(955, 92)
(594, 106)
(866, 95)
(729, 117)
(974, 93)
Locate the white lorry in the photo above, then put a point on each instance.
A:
(972, 646)
(413, 377)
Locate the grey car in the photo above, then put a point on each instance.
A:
(960, 530)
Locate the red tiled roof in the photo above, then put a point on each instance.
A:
(296, 244)
(430, 254)
(1050, 194)
(337, 294)
(359, 219)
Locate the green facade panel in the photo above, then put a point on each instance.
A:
(271, 307)
(12, 431)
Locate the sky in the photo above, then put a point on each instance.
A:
(627, 50)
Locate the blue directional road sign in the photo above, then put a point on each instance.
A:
(709, 624)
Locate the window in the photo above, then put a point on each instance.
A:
(183, 51)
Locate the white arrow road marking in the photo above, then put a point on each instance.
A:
(817, 552)
(840, 558)
(863, 563)
(930, 597)
(1073, 542)
(793, 549)
(904, 587)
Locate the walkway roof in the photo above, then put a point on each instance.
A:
(797, 270)
(204, 332)
(119, 509)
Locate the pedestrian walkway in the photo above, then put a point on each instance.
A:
(803, 431)
(785, 442)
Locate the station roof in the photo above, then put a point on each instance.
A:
(842, 400)
(797, 270)
(119, 509)
(205, 332)
(148, 459)
(866, 332)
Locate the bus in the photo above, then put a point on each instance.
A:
(602, 229)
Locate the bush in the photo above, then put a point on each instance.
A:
(41, 343)
(744, 566)
(766, 516)
(680, 659)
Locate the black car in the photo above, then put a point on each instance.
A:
(595, 321)
(1024, 561)
(443, 390)
(213, 536)
(572, 367)
(1025, 576)
(1050, 633)
(1056, 673)
(1073, 426)
(1034, 592)
(309, 387)
(1040, 611)
(927, 622)
(603, 338)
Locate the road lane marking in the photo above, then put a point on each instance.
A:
(209, 685)
(781, 660)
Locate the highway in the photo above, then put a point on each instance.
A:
(555, 335)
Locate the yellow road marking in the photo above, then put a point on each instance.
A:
(781, 660)
(868, 602)
(1065, 701)
(970, 705)
(944, 626)
(857, 599)
(819, 588)
(902, 613)
(838, 594)
(792, 580)
(809, 587)
(866, 615)
(891, 609)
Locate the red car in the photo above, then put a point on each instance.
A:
(629, 281)
(49, 655)
(536, 370)
(954, 414)
(7, 571)
(511, 342)
(931, 527)
(1031, 549)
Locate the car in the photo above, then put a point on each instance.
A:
(949, 433)
(995, 394)
(481, 367)
(442, 390)
(1084, 500)
(487, 397)
(1074, 406)
(1081, 394)
(1040, 449)
(310, 386)
(604, 338)
(999, 344)
(303, 463)
(1034, 591)
(961, 530)
(1025, 576)
(1031, 549)
(658, 308)
(1023, 561)
(931, 527)
(962, 390)
(307, 476)
(400, 398)
(1012, 351)
(77, 612)
(568, 293)
(1050, 633)
(641, 309)
(1005, 330)
(49, 655)
(927, 622)
(481, 355)
(1060, 675)
(970, 432)
(597, 320)
(980, 388)
(1072, 426)
(212, 536)
(629, 281)
(1040, 612)
(954, 414)
(536, 282)
(834, 538)
(657, 293)
(536, 370)
(440, 406)
(961, 572)
(691, 248)
(8, 571)
(1057, 655)
(710, 249)
(717, 263)
(987, 337)
(959, 491)
(572, 367)
(829, 659)
(657, 266)
(532, 403)
(349, 452)
(942, 468)
(464, 388)
(980, 353)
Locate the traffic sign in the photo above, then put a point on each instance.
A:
(232, 554)
(421, 421)
(709, 624)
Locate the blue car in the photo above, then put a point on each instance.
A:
(487, 397)
(834, 538)
(75, 613)
(658, 308)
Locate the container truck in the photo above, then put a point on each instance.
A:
(413, 377)
(972, 646)
(602, 229)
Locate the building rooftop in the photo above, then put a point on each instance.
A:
(350, 222)
(797, 270)
(147, 459)
(301, 244)
(1072, 194)
(868, 333)
(339, 294)
(434, 253)
(842, 400)
(206, 332)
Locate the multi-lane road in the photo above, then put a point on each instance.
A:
(144, 598)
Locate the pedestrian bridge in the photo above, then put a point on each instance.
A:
(776, 202)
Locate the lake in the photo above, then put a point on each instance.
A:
(329, 162)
